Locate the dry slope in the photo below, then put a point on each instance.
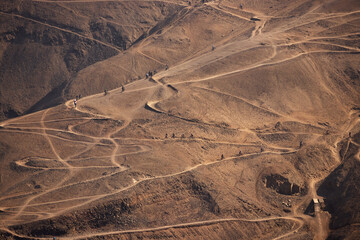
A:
(229, 143)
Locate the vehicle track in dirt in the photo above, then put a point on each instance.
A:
(297, 217)
(62, 29)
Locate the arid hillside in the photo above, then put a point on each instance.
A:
(45, 44)
(221, 120)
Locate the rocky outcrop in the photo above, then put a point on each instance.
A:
(342, 192)
(281, 184)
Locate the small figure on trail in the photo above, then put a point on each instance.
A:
(122, 88)
(241, 6)
(105, 92)
(212, 47)
(349, 134)
(261, 149)
(240, 153)
(189, 3)
(75, 102)
(166, 67)
(222, 156)
(301, 144)
(183, 136)
(173, 135)
(79, 96)
(191, 135)
(146, 76)
(166, 136)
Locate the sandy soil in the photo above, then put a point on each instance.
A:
(227, 143)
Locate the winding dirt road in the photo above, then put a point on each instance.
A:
(17, 213)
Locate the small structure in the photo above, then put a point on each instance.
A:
(316, 205)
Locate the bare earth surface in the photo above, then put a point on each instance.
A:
(229, 143)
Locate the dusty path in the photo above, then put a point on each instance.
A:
(258, 35)
(92, 198)
(62, 161)
(94, 1)
(192, 224)
(322, 230)
(62, 29)
(180, 225)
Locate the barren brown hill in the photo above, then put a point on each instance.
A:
(45, 44)
(249, 129)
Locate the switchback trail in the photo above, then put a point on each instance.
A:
(110, 163)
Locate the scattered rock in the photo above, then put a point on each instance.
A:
(281, 185)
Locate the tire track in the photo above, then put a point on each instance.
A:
(95, 1)
(257, 66)
(68, 167)
(62, 29)
(187, 225)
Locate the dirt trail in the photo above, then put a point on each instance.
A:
(246, 102)
(180, 225)
(97, 197)
(95, 1)
(194, 63)
(62, 29)
(191, 224)
(114, 154)
(258, 66)
(151, 58)
(321, 230)
(68, 167)
(62, 161)
(218, 7)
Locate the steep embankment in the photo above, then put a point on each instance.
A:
(342, 192)
(44, 44)
(228, 142)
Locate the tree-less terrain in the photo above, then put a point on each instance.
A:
(251, 115)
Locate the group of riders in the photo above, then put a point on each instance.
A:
(149, 75)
